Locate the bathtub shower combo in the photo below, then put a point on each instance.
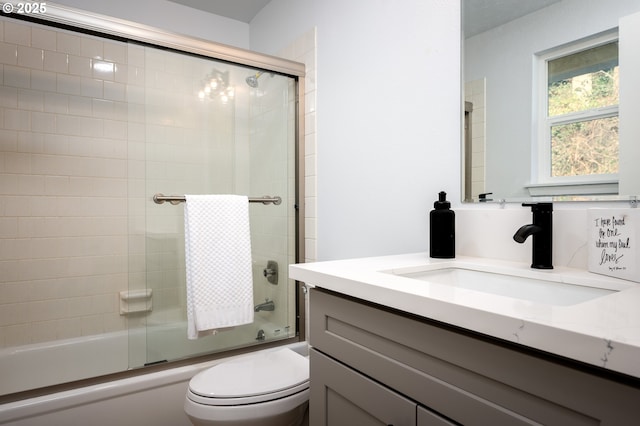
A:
(105, 126)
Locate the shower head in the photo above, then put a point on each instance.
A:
(252, 80)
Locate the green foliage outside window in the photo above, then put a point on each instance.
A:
(584, 144)
(585, 148)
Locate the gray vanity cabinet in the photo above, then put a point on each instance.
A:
(371, 365)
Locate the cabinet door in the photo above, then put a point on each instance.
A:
(342, 397)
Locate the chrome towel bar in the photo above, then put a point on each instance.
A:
(176, 199)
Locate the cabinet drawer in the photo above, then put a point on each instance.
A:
(460, 376)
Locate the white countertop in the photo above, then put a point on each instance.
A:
(604, 331)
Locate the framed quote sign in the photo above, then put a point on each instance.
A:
(613, 237)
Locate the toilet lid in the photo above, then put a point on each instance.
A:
(252, 376)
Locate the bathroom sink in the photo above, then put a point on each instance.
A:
(552, 289)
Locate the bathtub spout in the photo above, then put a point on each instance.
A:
(268, 305)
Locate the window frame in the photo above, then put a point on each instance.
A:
(542, 182)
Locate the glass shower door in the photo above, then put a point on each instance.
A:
(210, 127)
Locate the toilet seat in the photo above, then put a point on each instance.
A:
(251, 379)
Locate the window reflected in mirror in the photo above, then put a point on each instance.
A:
(582, 112)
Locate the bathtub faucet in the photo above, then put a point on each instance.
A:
(268, 305)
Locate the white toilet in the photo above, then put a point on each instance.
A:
(268, 388)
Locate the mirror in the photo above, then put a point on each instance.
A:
(504, 48)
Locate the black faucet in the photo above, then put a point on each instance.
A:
(541, 229)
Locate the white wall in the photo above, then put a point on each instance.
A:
(388, 115)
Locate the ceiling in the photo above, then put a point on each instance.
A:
(482, 15)
(240, 10)
(479, 15)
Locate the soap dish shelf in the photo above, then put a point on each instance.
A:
(136, 301)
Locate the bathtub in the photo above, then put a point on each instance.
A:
(154, 399)
(62, 361)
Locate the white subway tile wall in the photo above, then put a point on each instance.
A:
(89, 129)
(303, 50)
(64, 166)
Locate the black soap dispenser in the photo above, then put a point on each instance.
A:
(442, 227)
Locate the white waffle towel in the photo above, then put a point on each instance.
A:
(218, 263)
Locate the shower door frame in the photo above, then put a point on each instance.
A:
(105, 26)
